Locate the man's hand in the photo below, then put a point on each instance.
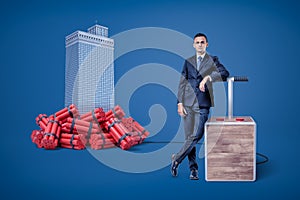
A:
(203, 82)
(181, 111)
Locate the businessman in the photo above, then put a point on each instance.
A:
(195, 97)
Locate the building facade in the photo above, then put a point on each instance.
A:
(89, 74)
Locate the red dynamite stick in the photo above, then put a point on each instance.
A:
(58, 132)
(88, 114)
(70, 111)
(124, 128)
(137, 139)
(45, 139)
(83, 138)
(71, 129)
(72, 147)
(69, 141)
(135, 133)
(124, 131)
(55, 132)
(101, 135)
(36, 137)
(75, 137)
(81, 129)
(105, 141)
(100, 117)
(116, 126)
(117, 115)
(137, 136)
(102, 144)
(128, 123)
(134, 140)
(42, 121)
(119, 111)
(106, 135)
(138, 127)
(85, 115)
(102, 141)
(97, 115)
(94, 140)
(81, 134)
(52, 133)
(120, 137)
(65, 129)
(64, 116)
(78, 143)
(116, 136)
(71, 125)
(116, 112)
(96, 111)
(37, 134)
(38, 142)
(79, 122)
(107, 146)
(69, 136)
(141, 135)
(64, 110)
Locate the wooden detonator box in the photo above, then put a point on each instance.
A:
(230, 144)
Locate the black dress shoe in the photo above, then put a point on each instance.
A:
(174, 166)
(194, 175)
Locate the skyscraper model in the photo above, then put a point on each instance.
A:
(89, 74)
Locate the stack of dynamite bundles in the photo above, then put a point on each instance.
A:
(97, 129)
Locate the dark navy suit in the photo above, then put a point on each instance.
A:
(196, 102)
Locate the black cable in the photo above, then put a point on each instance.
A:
(266, 159)
(264, 156)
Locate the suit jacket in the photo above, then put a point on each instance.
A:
(188, 90)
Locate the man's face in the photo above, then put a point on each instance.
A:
(200, 44)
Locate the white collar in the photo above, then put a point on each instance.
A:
(202, 56)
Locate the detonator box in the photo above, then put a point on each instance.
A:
(230, 149)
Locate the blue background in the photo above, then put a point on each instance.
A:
(259, 39)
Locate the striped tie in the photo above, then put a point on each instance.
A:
(199, 62)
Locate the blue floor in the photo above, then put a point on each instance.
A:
(69, 174)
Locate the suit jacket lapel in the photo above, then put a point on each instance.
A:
(194, 61)
(204, 61)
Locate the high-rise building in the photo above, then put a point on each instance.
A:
(89, 74)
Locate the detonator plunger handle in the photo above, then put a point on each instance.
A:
(230, 81)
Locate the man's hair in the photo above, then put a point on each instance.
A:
(201, 35)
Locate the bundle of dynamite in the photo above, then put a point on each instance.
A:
(49, 135)
(125, 135)
(97, 129)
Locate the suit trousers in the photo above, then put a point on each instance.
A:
(194, 123)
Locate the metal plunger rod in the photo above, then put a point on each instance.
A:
(230, 81)
(230, 97)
